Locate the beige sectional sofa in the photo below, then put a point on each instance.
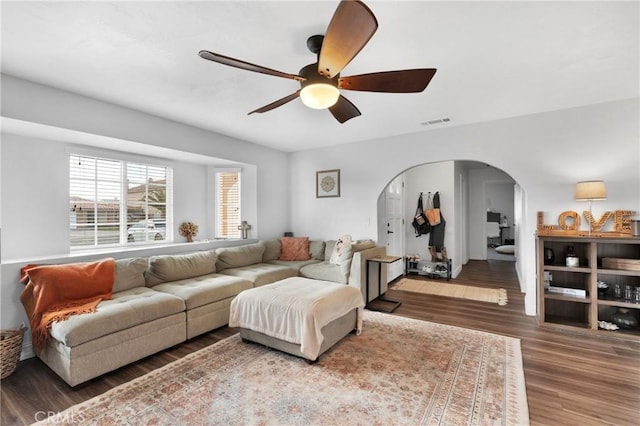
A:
(161, 301)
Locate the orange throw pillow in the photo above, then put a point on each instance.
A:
(295, 248)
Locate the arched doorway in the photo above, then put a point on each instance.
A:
(467, 190)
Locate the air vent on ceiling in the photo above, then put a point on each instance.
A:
(438, 121)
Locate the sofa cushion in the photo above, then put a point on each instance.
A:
(294, 264)
(363, 245)
(174, 267)
(129, 273)
(235, 257)
(271, 250)
(126, 309)
(327, 272)
(295, 248)
(316, 247)
(205, 289)
(262, 273)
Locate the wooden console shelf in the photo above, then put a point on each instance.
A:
(576, 313)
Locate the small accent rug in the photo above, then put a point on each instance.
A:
(440, 288)
(399, 371)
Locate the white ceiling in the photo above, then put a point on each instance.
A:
(494, 60)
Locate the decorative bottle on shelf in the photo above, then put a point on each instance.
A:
(617, 291)
(572, 258)
(628, 292)
(549, 256)
(548, 278)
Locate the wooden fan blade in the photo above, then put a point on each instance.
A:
(344, 110)
(277, 103)
(237, 63)
(351, 27)
(402, 81)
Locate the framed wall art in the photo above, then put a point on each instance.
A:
(328, 183)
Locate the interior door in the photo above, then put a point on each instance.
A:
(394, 224)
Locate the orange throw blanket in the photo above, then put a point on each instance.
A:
(55, 292)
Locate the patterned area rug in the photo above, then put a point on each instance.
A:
(398, 371)
(442, 288)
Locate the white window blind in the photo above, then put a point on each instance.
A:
(146, 203)
(94, 201)
(113, 202)
(227, 204)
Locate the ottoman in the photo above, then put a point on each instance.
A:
(297, 315)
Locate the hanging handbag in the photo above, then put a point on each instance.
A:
(433, 213)
(420, 222)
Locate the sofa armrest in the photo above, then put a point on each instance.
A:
(358, 272)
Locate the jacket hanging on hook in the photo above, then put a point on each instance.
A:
(420, 223)
(436, 239)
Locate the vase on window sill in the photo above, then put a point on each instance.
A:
(189, 238)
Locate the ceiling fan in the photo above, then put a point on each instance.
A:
(352, 26)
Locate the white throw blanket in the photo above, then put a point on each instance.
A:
(295, 310)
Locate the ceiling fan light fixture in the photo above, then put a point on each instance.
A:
(319, 95)
(349, 30)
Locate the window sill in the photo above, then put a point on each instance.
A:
(124, 252)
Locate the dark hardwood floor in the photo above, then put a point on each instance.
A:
(572, 379)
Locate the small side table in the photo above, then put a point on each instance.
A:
(380, 260)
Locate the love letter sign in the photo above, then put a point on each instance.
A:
(569, 224)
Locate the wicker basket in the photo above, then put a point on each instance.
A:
(10, 348)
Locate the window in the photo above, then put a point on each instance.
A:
(227, 204)
(113, 202)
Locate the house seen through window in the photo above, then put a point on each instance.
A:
(113, 202)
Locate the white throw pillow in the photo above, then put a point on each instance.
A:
(507, 249)
(342, 251)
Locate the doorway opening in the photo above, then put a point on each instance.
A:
(469, 192)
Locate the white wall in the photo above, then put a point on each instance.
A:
(129, 130)
(499, 196)
(545, 153)
(483, 194)
(40, 122)
(0, 196)
(36, 196)
(433, 177)
(520, 212)
(465, 204)
(461, 254)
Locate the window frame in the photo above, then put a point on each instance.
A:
(215, 172)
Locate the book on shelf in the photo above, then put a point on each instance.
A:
(574, 292)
